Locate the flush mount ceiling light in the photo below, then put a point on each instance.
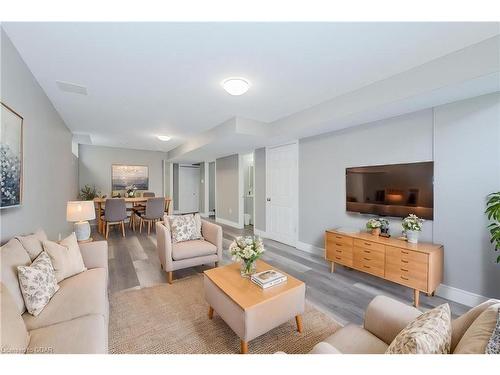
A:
(163, 138)
(236, 85)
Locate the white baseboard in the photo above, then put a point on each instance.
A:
(228, 222)
(310, 248)
(459, 295)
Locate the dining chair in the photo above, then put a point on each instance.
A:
(154, 212)
(114, 214)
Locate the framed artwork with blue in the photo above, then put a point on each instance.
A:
(11, 158)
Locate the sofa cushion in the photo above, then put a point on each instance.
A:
(192, 249)
(79, 295)
(32, 243)
(462, 323)
(476, 338)
(84, 335)
(430, 333)
(324, 348)
(12, 255)
(65, 256)
(38, 283)
(353, 339)
(13, 334)
(183, 228)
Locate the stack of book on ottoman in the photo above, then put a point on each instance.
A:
(267, 279)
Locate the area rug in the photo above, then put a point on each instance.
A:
(172, 319)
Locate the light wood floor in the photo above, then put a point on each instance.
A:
(345, 294)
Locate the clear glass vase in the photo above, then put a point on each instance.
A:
(248, 268)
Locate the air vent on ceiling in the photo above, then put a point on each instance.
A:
(72, 87)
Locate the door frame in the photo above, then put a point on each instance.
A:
(293, 241)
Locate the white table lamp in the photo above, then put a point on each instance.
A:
(80, 212)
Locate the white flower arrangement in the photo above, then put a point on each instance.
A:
(412, 222)
(246, 249)
(373, 224)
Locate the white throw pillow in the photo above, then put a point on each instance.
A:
(65, 256)
(183, 228)
(38, 283)
(32, 243)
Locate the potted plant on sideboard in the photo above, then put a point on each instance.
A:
(412, 226)
(493, 214)
(374, 226)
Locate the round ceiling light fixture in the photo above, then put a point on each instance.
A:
(163, 138)
(236, 85)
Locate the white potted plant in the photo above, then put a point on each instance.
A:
(247, 250)
(374, 226)
(412, 225)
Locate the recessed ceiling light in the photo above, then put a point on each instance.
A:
(236, 85)
(164, 138)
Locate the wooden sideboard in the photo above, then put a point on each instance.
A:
(418, 266)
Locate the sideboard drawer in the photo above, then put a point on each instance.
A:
(406, 256)
(369, 245)
(372, 263)
(338, 238)
(334, 250)
(406, 276)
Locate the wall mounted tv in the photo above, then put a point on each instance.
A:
(391, 190)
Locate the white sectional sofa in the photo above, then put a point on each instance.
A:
(76, 318)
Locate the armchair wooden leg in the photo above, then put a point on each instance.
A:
(170, 277)
(210, 312)
(244, 347)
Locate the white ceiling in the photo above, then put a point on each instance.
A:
(145, 79)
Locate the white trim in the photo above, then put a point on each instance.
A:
(204, 214)
(253, 191)
(308, 248)
(228, 222)
(206, 185)
(459, 295)
(241, 199)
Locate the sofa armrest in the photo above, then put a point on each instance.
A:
(95, 254)
(164, 246)
(213, 234)
(385, 317)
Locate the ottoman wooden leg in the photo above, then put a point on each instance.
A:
(244, 347)
(298, 320)
(210, 312)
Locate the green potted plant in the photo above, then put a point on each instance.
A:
(88, 193)
(412, 226)
(493, 214)
(374, 226)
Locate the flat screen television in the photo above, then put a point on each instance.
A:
(395, 190)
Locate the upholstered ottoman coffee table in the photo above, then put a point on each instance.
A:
(249, 310)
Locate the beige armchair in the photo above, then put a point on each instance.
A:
(176, 256)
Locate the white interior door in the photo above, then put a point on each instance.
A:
(189, 189)
(282, 193)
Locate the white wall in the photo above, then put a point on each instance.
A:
(323, 160)
(95, 166)
(462, 138)
(466, 170)
(50, 168)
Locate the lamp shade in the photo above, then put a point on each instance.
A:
(80, 211)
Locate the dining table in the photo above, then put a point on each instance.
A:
(135, 201)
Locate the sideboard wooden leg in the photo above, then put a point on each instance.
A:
(416, 297)
(332, 267)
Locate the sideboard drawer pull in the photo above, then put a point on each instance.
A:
(366, 258)
(404, 278)
(404, 261)
(368, 244)
(404, 270)
(404, 252)
(367, 251)
(367, 266)
(338, 258)
(338, 244)
(338, 237)
(338, 251)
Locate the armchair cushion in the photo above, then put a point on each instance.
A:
(192, 249)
